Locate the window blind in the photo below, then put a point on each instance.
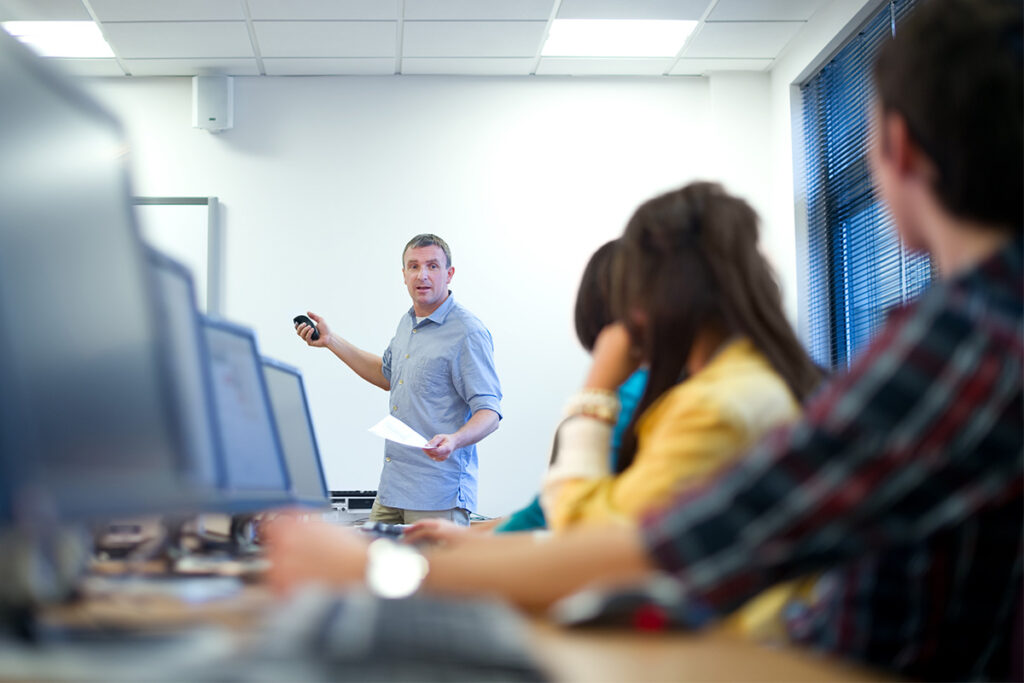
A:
(857, 268)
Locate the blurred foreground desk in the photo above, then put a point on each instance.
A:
(568, 655)
(613, 655)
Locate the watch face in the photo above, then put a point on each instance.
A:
(393, 570)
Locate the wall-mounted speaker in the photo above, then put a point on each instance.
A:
(213, 103)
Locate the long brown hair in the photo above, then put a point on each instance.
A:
(689, 261)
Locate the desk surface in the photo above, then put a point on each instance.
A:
(570, 655)
(615, 655)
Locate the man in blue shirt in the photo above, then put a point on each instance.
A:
(439, 368)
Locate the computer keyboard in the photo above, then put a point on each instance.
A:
(221, 566)
(360, 637)
(317, 636)
(190, 590)
(382, 530)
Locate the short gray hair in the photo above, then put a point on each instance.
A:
(428, 240)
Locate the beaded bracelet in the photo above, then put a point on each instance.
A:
(600, 404)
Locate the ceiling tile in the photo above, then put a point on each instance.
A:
(634, 9)
(326, 38)
(88, 67)
(742, 39)
(160, 10)
(194, 39)
(700, 67)
(351, 66)
(192, 67)
(337, 10)
(466, 10)
(51, 10)
(467, 66)
(579, 66)
(472, 38)
(764, 10)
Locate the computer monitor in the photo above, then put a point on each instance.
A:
(295, 425)
(190, 364)
(88, 425)
(255, 473)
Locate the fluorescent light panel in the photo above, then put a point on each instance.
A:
(616, 37)
(61, 38)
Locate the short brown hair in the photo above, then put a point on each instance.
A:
(428, 240)
(953, 72)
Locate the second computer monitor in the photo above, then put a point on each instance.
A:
(255, 474)
(295, 425)
(193, 390)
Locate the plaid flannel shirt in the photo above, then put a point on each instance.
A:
(903, 480)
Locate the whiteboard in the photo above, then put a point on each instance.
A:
(185, 228)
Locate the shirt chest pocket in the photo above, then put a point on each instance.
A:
(430, 374)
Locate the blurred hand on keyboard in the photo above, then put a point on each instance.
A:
(307, 552)
(436, 531)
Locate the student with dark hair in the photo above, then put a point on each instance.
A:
(904, 482)
(701, 308)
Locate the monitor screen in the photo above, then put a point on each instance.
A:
(88, 427)
(190, 367)
(253, 461)
(295, 425)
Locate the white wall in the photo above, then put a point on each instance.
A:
(819, 39)
(741, 132)
(323, 180)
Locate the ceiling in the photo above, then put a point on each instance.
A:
(379, 37)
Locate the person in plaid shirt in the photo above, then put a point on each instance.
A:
(904, 482)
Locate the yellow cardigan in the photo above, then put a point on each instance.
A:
(688, 435)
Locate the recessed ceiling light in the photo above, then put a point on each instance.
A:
(61, 38)
(616, 38)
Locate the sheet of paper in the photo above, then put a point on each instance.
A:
(393, 429)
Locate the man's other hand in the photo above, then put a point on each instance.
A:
(440, 447)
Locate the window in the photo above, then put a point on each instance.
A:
(857, 268)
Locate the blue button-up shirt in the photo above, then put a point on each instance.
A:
(441, 371)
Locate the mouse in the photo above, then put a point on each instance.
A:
(659, 604)
(299, 319)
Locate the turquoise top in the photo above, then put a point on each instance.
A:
(630, 392)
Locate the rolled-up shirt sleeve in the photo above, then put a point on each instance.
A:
(385, 365)
(474, 375)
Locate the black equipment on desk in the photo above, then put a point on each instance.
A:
(352, 501)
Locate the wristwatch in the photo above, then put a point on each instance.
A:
(394, 570)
